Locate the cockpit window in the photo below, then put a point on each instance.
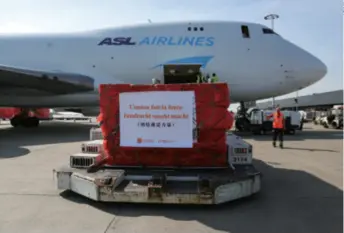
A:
(245, 32)
(269, 31)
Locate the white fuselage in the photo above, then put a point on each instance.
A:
(261, 66)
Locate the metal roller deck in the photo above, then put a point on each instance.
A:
(162, 185)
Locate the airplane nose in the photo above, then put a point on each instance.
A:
(305, 68)
(311, 69)
(317, 69)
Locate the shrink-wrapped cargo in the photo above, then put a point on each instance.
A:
(230, 120)
(212, 135)
(213, 118)
(201, 155)
(206, 118)
(216, 94)
(206, 94)
(211, 115)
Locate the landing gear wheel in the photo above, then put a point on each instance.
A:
(35, 122)
(291, 132)
(27, 122)
(31, 122)
(334, 125)
(15, 121)
(242, 124)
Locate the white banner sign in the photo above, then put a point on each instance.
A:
(157, 119)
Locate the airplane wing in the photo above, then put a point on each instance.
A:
(52, 81)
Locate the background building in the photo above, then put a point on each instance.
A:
(316, 100)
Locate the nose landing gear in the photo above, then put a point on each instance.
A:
(242, 123)
(24, 119)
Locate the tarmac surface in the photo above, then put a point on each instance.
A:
(301, 192)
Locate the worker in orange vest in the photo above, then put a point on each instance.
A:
(277, 126)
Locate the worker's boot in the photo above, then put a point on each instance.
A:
(274, 144)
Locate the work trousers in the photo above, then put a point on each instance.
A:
(202, 80)
(277, 133)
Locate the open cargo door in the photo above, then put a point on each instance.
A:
(181, 73)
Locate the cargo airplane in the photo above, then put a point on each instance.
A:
(63, 70)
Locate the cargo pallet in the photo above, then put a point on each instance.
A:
(161, 185)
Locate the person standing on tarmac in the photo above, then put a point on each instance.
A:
(278, 127)
(200, 78)
(204, 78)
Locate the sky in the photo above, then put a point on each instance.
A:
(315, 25)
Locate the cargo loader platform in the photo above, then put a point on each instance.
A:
(196, 186)
(167, 185)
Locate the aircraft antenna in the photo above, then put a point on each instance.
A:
(271, 17)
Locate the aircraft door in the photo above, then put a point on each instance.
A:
(181, 73)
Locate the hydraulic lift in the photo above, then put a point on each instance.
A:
(161, 185)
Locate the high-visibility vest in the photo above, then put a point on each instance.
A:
(215, 79)
(278, 122)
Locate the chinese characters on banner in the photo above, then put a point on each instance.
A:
(157, 119)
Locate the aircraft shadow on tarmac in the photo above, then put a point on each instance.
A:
(309, 149)
(290, 201)
(14, 140)
(299, 136)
